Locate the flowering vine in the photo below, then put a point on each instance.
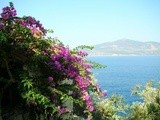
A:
(47, 75)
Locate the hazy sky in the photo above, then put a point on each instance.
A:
(89, 22)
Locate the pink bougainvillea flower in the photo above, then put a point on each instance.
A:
(50, 79)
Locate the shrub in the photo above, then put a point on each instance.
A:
(112, 108)
(149, 108)
(40, 74)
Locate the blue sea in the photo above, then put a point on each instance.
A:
(124, 72)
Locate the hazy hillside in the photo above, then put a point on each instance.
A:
(126, 47)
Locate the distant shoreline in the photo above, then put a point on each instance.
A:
(126, 47)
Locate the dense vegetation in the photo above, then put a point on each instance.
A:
(40, 74)
(41, 79)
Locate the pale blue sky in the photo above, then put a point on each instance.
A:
(90, 22)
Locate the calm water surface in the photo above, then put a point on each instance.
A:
(124, 72)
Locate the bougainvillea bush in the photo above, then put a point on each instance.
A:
(39, 76)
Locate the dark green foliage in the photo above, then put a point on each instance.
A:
(40, 74)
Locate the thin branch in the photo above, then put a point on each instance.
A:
(8, 71)
(12, 80)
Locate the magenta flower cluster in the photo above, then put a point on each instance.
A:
(8, 12)
(73, 66)
(32, 23)
(62, 110)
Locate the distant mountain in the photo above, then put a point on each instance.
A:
(126, 47)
